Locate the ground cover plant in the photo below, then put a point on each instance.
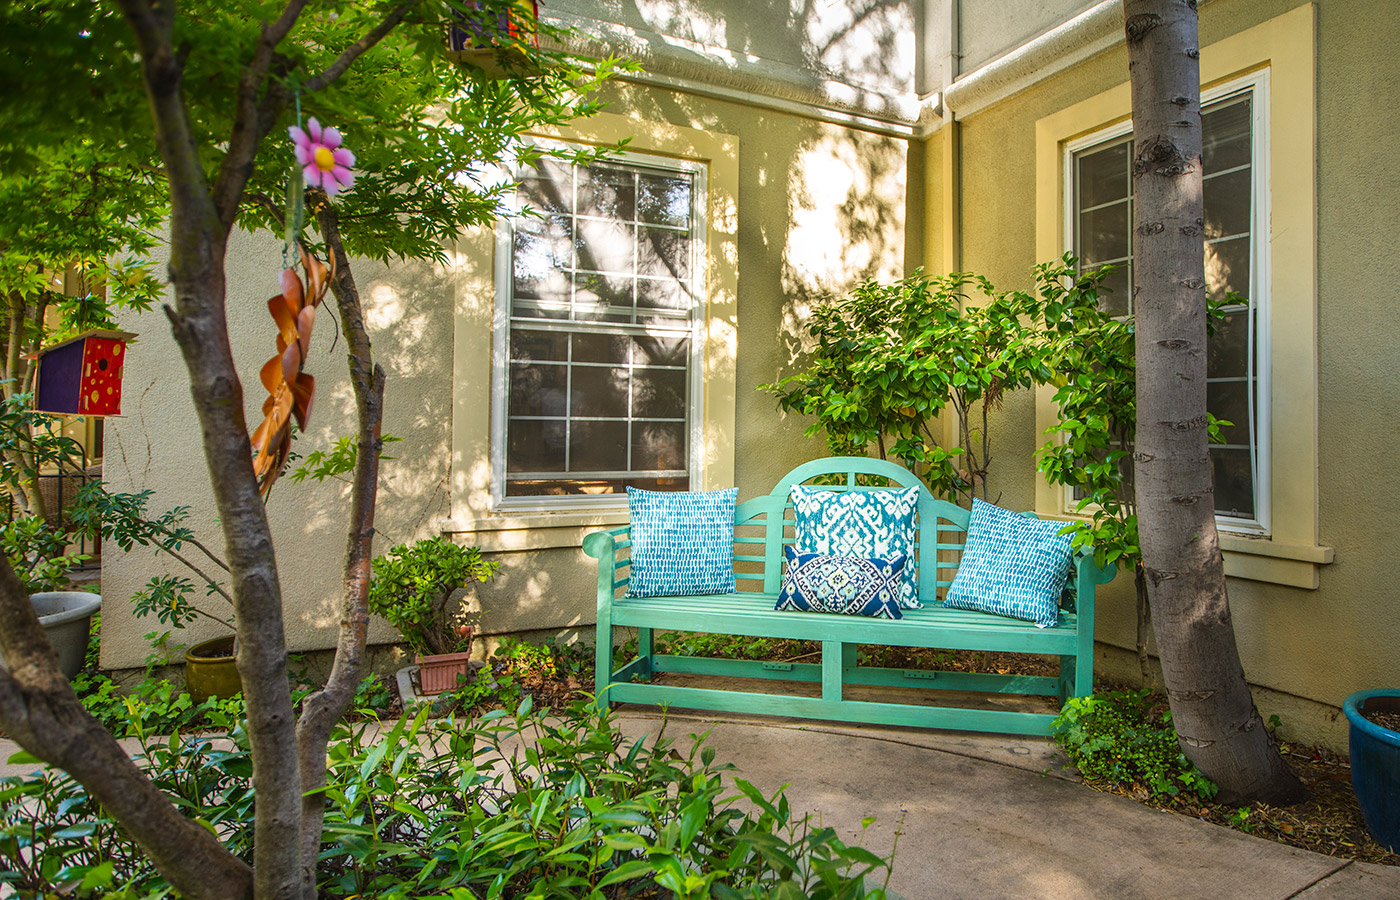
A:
(509, 805)
(1132, 721)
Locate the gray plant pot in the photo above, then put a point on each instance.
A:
(66, 616)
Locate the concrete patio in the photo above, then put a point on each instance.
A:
(985, 816)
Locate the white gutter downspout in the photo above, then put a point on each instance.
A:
(1087, 34)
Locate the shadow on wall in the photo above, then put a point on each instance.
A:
(868, 42)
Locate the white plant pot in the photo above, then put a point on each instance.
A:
(67, 617)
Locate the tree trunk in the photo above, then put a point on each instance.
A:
(198, 244)
(38, 709)
(1214, 714)
(324, 708)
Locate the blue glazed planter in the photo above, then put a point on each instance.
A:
(1375, 764)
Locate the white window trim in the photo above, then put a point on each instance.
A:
(1261, 286)
(500, 364)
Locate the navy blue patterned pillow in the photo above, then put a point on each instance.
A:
(818, 582)
(682, 542)
(1011, 565)
(865, 524)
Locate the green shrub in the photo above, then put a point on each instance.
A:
(513, 805)
(1116, 738)
(413, 584)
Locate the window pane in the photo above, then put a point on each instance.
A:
(1116, 290)
(598, 446)
(546, 195)
(1227, 204)
(1103, 233)
(664, 200)
(1227, 268)
(607, 192)
(662, 293)
(1234, 482)
(601, 348)
(658, 393)
(538, 390)
(541, 249)
(1103, 175)
(662, 351)
(1225, 135)
(598, 291)
(529, 346)
(1229, 400)
(606, 246)
(1228, 348)
(536, 446)
(658, 446)
(598, 391)
(663, 252)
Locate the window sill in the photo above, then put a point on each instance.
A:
(1259, 558)
(1275, 562)
(516, 532)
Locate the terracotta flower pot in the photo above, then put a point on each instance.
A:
(439, 673)
(210, 670)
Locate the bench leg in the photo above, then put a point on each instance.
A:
(645, 649)
(603, 661)
(833, 668)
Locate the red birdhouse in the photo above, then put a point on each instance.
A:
(493, 42)
(83, 375)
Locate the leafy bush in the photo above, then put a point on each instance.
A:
(890, 359)
(511, 806)
(1116, 738)
(412, 585)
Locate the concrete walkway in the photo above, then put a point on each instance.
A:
(986, 817)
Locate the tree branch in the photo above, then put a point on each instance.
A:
(252, 116)
(357, 49)
(323, 709)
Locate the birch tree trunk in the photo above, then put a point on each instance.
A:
(1214, 714)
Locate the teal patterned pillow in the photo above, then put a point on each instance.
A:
(862, 524)
(815, 582)
(682, 542)
(1011, 565)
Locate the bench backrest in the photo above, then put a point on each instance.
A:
(764, 524)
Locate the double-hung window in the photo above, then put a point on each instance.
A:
(1100, 220)
(597, 382)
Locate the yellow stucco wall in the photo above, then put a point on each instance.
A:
(816, 207)
(1310, 646)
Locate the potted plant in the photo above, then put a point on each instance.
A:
(412, 588)
(36, 550)
(1374, 718)
(210, 669)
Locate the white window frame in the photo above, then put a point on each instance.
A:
(504, 286)
(1261, 287)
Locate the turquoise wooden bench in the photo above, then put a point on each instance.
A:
(762, 526)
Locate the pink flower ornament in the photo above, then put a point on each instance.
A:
(325, 163)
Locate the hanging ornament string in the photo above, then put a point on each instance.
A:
(296, 204)
(321, 163)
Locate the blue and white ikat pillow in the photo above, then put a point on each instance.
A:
(682, 542)
(862, 524)
(817, 582)
(1012, 566)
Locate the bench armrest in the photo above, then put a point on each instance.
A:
(603, 546)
